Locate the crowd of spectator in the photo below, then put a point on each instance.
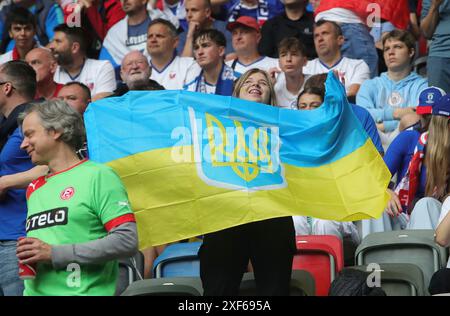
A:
(80, 51)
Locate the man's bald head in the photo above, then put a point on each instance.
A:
(43, 62)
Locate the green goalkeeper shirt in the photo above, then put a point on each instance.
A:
(77, 205)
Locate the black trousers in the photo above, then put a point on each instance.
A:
(268, 244)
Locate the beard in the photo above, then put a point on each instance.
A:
(64, 58)
(137, 81)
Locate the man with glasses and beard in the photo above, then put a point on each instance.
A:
(135, 72)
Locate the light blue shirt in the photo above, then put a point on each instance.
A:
(381, 96)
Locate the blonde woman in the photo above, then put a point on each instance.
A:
(243, 85)
(268, 244)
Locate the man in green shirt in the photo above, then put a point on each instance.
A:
(79, 219)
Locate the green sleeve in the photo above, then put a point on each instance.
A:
(110, 199)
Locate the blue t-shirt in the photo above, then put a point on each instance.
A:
(400, 153)
(13, 206)
(138, 33)
(369, 125)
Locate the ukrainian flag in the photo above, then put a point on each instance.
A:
(194, 163)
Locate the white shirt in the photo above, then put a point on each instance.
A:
(338, 15)
(8, 56)
(444, 210)
(190, 82)
(97, 75)
(173, 76)
(263, 63)
(355, 71)
(285, 99)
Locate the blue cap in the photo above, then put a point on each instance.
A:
(442, 107)
(428, 98)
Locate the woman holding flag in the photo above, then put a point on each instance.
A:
(268, 244)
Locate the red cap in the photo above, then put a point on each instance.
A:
(247, 21)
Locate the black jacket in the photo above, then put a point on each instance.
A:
(9, 125)
(280, 27)
(122, 88)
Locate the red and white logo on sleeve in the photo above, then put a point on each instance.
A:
(67, 193)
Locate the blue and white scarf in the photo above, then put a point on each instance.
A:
(224, 85)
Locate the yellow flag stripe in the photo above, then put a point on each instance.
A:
(182, 205)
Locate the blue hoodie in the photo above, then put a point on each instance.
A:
(381, 96)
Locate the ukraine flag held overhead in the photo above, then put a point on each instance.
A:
(194, 163)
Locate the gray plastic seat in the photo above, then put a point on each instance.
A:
(302, 284)
(405, 246)
(442, 294)
(130, 270)
(399, 279)
(180, 286)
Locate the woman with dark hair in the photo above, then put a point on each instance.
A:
(268, 244)
(311, 98)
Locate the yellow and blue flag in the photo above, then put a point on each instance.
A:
(194, 163)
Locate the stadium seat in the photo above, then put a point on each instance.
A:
(178, 260)
(442, 294)
(406, 246)
(302, 284)
(182, 286)
(399, 279)
(322, 256)
(420, 66)
(130, 270)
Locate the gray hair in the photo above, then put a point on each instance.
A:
(57, 115)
